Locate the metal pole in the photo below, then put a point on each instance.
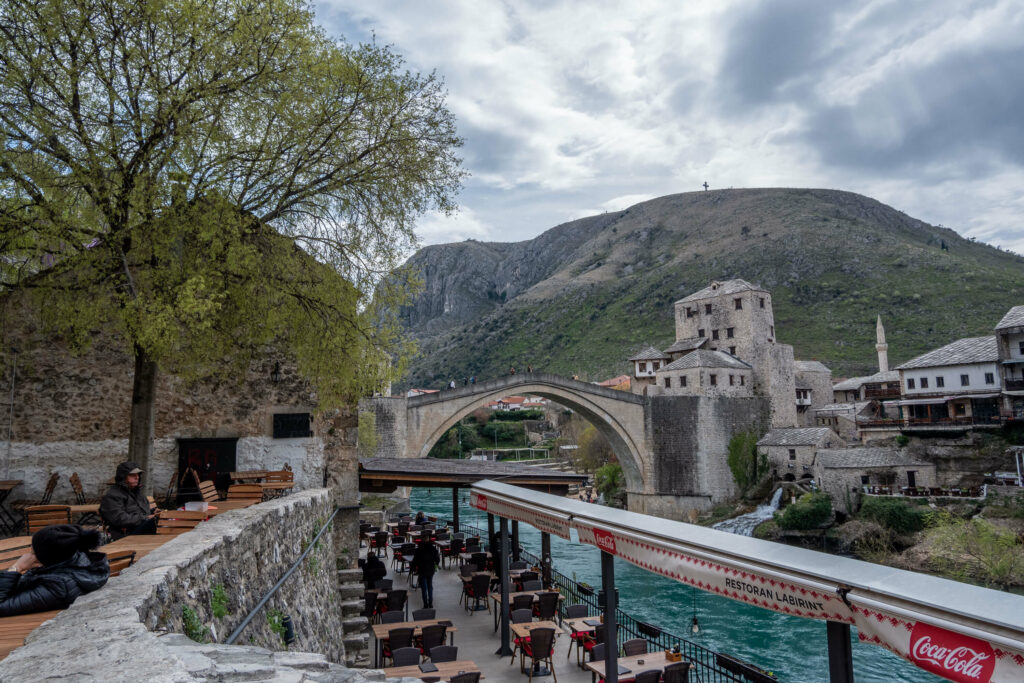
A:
(545, 558)
(611, 636)
(455, 509)
(515, 540)
(840, 652)
(504, 650)
(490, 531)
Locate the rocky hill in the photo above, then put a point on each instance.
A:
(584, 295)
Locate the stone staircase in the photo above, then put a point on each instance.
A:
(356, 628)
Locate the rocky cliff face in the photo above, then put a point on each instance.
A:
(582, 296)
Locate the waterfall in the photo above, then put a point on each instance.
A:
(744, 524)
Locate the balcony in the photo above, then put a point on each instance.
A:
(932, 423)
(881, 392)
(1013, 384)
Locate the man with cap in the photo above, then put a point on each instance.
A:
(124, 507)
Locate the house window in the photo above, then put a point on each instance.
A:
(291, 425)
(707, 308)
(730, 380)
(742, 380)
(714, 380)
(961, 408)
(643, 367)
(792, 454)
(682, 380)
(762, 302)
(772, 328)
(910, 383)
(714, 334)
(656, 365)
(940, 381)
(668, 382)
(700, 333)
(1020, 347)
(739, 304)
(865, 479)
(732, 350)
(924, 382)
(990, 378)
(729, 332)
(965, 380)
(690, 312)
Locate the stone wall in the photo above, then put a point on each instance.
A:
(245, 552)
(71, 414)
(821, 393)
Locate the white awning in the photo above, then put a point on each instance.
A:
(520, 508)
(924, 401)
(966, 396)
(956, 630)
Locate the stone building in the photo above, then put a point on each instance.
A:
(1010, 349)
(844, 473)
(791, 451)
(848, 419)
(734, 319)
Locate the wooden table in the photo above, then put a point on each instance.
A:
(381, 631)
(222, 506)
(523, 630)
(13, 548)
(496, 597)
(14, 630)
(445, 670)
(277, 488)
(652, 660)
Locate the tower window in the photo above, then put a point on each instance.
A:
(743, 380)
(729, 332)
(732, 350)
(730, 380)
(707, 308)
(762, 302)
(690, 312)
(713, 379)
(682, 380)
(668, 382)
(700, 333)
(739, 304)
(792, 454)
(643, 367)
(714, 334)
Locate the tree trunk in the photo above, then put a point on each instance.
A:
(140, 436)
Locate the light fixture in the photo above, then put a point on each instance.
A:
(694, 625)
(275, 374)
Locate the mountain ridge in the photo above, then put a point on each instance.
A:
(583, 295)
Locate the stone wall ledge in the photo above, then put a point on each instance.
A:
(108, 635)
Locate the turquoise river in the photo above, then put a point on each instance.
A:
(793, 648)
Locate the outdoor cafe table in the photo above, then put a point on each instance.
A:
(222, 506)
(445, 670)
(522, 630)
(380, 632)
(629, 667)
(7, 520)
(14, 630)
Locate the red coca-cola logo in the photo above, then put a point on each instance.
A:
(951, 655)
(605, 541)
(479, 502)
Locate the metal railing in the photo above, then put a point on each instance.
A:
(703, 666)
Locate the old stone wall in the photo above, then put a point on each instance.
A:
(782, 385)
(962, 460)
(821, 393)
(238, 555)
(71, 414)
(389, 414)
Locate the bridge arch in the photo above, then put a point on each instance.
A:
(617, 415)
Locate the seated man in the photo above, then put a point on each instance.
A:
(125, 507)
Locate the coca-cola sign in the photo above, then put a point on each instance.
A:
(605, 541)
(479, 502)
(951, 655)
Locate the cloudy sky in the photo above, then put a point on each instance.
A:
(573, 108)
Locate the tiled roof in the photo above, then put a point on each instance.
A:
(1013, 318)
(855, 383)
(687, 344)
(836, 407)
(799, 436)
(650, 353)
(960, 352)
(721, 289)
(811, 366)
(615, 381)
(706, 359)
(858, 458)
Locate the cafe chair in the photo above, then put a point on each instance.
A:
(399, 639)
(477, 590)
(86, 518)
(120, 560)
(397, 601)
(444, 653)
(406, 656)
(678, 672)
(519, 564)
(592, 641)
(424, 613)
(596, 655)
(535, 585)
(519, 616)
(649, 676)
(540, 648)
(432, 636)
(392, 618)
(522, 602)
(547, 606)
(38, 516)
(576, 611)
(468, 677)
(370, 606)
(635, 646)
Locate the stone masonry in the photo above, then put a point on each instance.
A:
(114, 633)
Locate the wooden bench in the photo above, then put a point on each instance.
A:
(253, 492)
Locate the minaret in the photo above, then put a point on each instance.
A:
(881, 347)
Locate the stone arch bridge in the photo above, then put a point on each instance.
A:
(672, 448)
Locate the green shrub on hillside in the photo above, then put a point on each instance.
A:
(810, 511)
(894, 514)
(514, 415)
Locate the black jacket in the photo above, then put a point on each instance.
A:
(425, 559)
(53, 587)
(123, 508)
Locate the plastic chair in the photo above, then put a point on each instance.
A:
(444, 653)
(405, 656)
(634, 646)
(540, 648)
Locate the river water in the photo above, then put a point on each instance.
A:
(793, 648)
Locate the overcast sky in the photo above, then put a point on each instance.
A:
(573, 108)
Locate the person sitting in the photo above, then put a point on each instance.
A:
(58, 569)
(420, 518)
(372, 567)
(124, 507)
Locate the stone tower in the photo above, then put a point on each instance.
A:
(881, 347)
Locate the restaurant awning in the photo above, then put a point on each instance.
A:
(956, 630)
(924, 401)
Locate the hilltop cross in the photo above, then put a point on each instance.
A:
(705, 186)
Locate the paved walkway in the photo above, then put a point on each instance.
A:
(476, 637)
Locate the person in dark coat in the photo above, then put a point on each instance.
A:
(59, 568)
(424, 563)
(373, 569)
(124, 506)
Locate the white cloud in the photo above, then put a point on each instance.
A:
(437, 228)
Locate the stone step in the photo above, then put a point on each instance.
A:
(356, 641)
(350, 576)
(352, 608)
(349, 591)
(355, 624)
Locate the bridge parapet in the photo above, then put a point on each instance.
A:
(511, 382)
